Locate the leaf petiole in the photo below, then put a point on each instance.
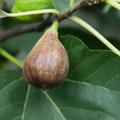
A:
(113, 3)
(9, 57)
(4, 14)
(95, 33)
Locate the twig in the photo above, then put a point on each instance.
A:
(23, 28)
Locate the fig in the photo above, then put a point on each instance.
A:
(47, 65)
(27, 18)
(31, 5)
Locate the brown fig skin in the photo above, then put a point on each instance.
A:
(47, 64)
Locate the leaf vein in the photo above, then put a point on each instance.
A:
(100, 67)
(91, 85)
(54, 104)
(11, 84)
(2, 109)
(116, 76)
(25, 103)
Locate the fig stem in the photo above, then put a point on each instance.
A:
(113, 3)
(55, 25)
(12, 59)
(95, 33)
(9, 57)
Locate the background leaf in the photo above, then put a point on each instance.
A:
(9, 4)
(61, 5)
(96, 98)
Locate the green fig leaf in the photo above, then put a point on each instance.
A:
(63, 5)
(1, 4)
(9, 4)
(90, 92)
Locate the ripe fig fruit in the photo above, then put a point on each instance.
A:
(47, 65)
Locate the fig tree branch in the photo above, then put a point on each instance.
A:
(39, 26)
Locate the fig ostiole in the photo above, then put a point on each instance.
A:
(47, 65)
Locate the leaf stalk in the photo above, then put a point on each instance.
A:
(95, 33)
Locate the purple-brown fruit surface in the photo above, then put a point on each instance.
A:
(47, 65)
